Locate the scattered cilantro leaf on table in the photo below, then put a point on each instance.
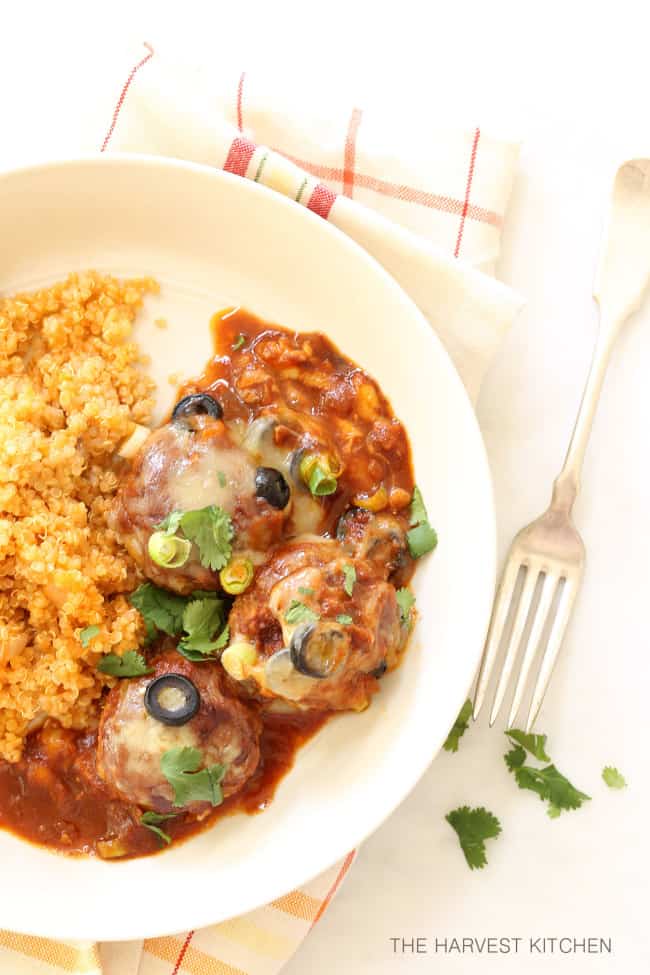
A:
(548, 782)
(613, 778)
(515, 758)
(152, 820)
(181, 768)
(535, 744)
(460, 726)
(130, 664)
(87, 634)
(473, 827)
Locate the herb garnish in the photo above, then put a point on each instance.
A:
(151, 820)
(181, 768)
(130, 664)
(421, 537)
(87, 635)
(209, 528)
(299, 613)
(473, 827)
(613, 778)
(405, 601)
(548, 782)
(350, 577)
(460, 726)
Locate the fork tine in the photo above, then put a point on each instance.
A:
(495, 632)
(541, 613)
(553, 647)
(530, 581)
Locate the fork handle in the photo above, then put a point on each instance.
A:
(567, 483)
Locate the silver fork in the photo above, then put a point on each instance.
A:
(546, 561)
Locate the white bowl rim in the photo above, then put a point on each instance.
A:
(106, 930)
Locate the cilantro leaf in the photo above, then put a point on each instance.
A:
(344, 619)
(87, 635)
(613, 778)
(159, 608)
(515, 758)
(460, 726)
(405, 601)
(305, 591)
(151, 820)
(418, 511)
(221, 477)
(211, 531)
(551, 786)
(181, 768)
(535, 744)
(130, 664)
(421, 540)
(299, 613)
(201, 618)
(350, 576)
(473, 827)
(548, 782)
(169, 525)
(421, 537)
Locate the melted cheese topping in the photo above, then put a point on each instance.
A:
(211, 477)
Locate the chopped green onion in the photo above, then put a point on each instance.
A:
(169, 551)
(239, 341)
(344, 619)
(237, 576)
(316, 471)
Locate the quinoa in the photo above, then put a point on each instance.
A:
(72, 389)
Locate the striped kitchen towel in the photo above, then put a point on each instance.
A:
(428, 202)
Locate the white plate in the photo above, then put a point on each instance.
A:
(213, 239)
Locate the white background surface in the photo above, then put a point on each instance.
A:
(572, 80)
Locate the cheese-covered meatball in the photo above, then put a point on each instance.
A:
(317, 628)
(189, 464)
(132, 741)
(378, 538)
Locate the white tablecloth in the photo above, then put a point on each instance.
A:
(574, 80)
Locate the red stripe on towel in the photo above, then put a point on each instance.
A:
(123, 94)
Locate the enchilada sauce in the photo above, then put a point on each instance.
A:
(53, 795)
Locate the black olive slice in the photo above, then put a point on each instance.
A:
(272, 487)
(198, 404)
(172, 699)
(319, 650)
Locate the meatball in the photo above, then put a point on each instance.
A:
(379, 538)
(185, 466)
(131, 742)
(317, 628)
